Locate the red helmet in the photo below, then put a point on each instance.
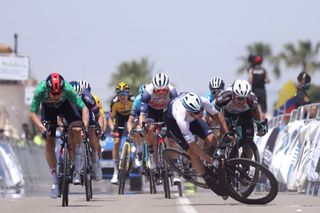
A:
(258, 60)
(55, 82)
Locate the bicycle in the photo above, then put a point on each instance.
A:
(65, 168)
(247, 150)
(163, 172)
(231, 176)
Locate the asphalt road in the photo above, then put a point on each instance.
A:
(106, 200)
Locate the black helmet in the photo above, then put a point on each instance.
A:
(304, 76)
(55, 82)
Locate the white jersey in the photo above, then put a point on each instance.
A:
(183, 118)
(159, 102)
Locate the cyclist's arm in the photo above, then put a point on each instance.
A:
(130, 123)
(250, 76)
(220, 120)
(256, 113)
(35, 105)
(37, 122)
(146, 97)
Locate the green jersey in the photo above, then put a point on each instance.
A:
(42, 95)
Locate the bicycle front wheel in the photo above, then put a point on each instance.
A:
(65, 178)
(123, 166)
(241, 174)
(184, 166)
(87, 177)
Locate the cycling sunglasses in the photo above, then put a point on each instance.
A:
(122, 93)
(56, 93)
(240, 98)
(161, 91)
(215, 91)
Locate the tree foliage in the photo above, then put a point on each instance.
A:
(304, 54)
(261, 49)
(134, 73)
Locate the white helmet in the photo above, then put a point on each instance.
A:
(216, 84)
(76, 86)
(192, 102)
(85, 85)
(241, 88)
(160, 80)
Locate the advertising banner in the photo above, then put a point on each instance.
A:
(14, 68)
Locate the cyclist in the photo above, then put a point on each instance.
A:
(133, 123)
(95, 118)
(239, 103)
(120, 109)
(183, 118)
(216, 85)
(155, 99)
(85, 85)
(56, 97)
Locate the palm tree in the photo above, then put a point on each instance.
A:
(134, 73)
(261, 49)
(303, 54)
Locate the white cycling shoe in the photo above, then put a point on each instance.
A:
(114, 179)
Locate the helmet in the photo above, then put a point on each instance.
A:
(76, 86)
(122, 87)
(192, 102)
(216, 84)
(241, 88)
(141, 89)
(85, 85)
(55, 82)
(160, 80)
(258, 60)
(304, 76)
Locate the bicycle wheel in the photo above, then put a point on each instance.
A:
(241, 174)
(250, 151)
(164, 172)
(87, 176)
(65, 177)
(184, 166)
(123, 166)
(152, 181)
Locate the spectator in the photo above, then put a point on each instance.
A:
(258, 77)
(302, 98)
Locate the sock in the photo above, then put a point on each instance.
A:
(115, 166)
(150, 149)
(54, 176)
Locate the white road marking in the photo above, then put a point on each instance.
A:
(184, 205)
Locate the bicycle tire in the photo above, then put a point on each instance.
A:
(87, 178)
(65, 178)
(184, 167)
(164, 172)
(152, 180)
(123, 166)
(237, 175)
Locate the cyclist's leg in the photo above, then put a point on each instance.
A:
(73, 117)
(246, 123)
(50, 114)
(120, 122)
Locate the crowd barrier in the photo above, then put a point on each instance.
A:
(22, 167)
(291, 149)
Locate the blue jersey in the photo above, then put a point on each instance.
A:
(135, 111)
(210, 97)
(90, 103)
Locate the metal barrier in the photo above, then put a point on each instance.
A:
(291, 149)
(22, 167)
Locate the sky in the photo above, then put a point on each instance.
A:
(191, 41)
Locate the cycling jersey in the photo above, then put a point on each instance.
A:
(224, 101)
(135, 111)
(209, 96)
(258, 77)
(176, 111)
(42, 95)
(157, 102)
(101, 109)
(118, 109)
